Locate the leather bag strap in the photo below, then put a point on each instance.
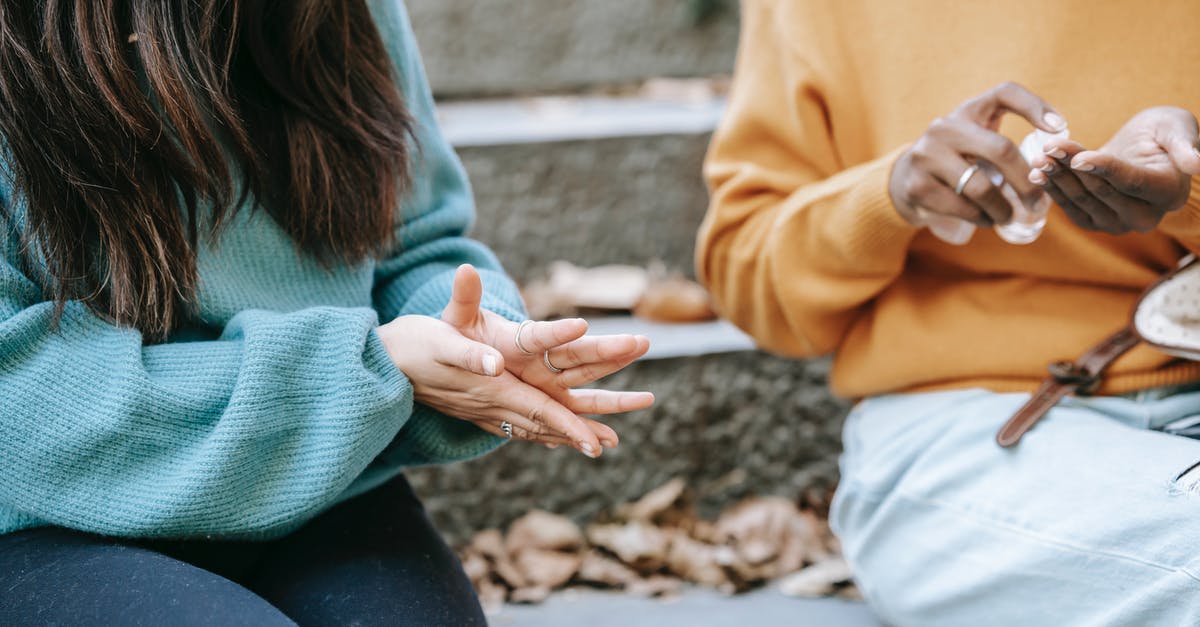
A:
(1081, 377)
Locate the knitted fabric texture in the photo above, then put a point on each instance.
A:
(278, 402)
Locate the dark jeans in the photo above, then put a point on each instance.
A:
(373, 560)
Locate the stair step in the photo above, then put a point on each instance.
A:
(669, 341)
(476, 47)
(555, 119)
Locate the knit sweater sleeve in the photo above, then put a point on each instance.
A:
(795, 242)
(431, 243)
(245, 436)
(1184, 224)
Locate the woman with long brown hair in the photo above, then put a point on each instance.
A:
(236, 300)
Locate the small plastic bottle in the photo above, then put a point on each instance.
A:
(1027, 222)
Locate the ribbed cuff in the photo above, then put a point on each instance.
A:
(864, 223)
(1184, 223)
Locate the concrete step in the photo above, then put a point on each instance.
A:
(672, 341)
(762, 608)
(481, 47)
(591, 180)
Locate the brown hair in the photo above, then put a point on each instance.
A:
(121, 119)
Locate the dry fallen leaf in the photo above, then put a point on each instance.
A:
(605, 571)
(658, 545)
(603, 287)
(771, 535)
(540, 529)
(491, 595)
(675, 300)
(696, 561)
(654, 502)
(655, 586)
(534, 594)
(817, 580)
(489, 543)
(475, 565)
(544, 567)
(643, 547)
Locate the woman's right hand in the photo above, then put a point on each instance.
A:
(923, 181)
(467, 380)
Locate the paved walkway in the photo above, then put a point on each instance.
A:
(703, 608)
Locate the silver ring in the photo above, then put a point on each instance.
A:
(506, 427)
(550, 366)
(965, 178)
(521, 346)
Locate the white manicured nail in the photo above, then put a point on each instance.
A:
(588, 450)
(489, 365)
(1054, 121)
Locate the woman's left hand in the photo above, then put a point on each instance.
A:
(1142, 174)
(578, 359)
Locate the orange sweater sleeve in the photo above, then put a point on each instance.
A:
(795, 241)
(1183, 225)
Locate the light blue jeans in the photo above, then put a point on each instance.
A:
(1093, 519)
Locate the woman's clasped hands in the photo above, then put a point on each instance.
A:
(514, 380)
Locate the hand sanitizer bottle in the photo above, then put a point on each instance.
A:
(1027, 222)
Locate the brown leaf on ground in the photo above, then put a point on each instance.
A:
(641, 546)
(850, 592)
(569, 288)
(656, 545)
(675, 300)
(540, 529)
(489, 543)
(598, 569)
(475, 565)
(771, 537)
(696, 561)
(818, 580)
(491, 595)
(534, 594)
(654, 503)
(656, 586)
(544, 567)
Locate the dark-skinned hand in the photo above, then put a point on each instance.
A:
(1143, 173)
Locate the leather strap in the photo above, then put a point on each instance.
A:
(1081, 377)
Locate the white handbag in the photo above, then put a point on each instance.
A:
(1167, 316)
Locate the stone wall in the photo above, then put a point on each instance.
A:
(488, 47)
(621, 200)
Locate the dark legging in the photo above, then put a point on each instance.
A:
(373, 560)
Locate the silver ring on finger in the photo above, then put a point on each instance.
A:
(549, 366)
(506, 427)
(966, 178)
(517, 340)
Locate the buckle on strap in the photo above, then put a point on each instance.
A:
(1072, 374)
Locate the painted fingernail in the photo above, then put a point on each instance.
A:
(587, 450)
(1083, 166)
(489, 365)
(1037, 177)
(1049, 167)
(1054, 121)
(1057, 153)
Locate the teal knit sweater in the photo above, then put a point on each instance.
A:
(279, 402)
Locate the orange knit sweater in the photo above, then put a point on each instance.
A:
(803, 249)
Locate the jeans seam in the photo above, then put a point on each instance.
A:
(1057, 543)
